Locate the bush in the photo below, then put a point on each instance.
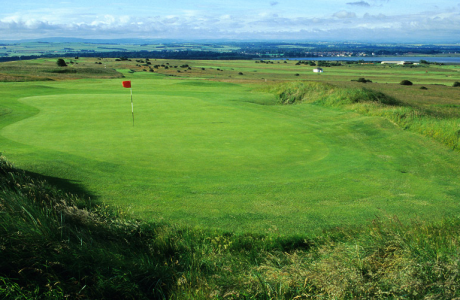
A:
(61, 63)
(406, 82)
(456, 84)
(364, 80)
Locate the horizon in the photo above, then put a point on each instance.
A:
(134, 40)
(372, 21)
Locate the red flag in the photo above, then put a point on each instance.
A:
(126, 84)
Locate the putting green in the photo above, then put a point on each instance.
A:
(223, 156)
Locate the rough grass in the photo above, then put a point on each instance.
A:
(46, 70)
(56, 245)
(441, 125)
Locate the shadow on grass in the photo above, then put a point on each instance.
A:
(68, 186)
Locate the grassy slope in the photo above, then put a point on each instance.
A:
(56, 245)
(205, 154)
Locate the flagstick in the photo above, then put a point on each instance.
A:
(132, 105)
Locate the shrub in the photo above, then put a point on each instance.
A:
(405, 82)
(456, 84)
(61, 63)
(364, 80)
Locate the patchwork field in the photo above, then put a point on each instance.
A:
(225, 155)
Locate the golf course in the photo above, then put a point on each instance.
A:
(239, 149)
(226, 155)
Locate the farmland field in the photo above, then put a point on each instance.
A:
(212, 148)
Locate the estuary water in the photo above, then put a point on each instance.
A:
(432, 59)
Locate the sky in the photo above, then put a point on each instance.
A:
(427, 21)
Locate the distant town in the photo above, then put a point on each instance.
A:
(29, 49)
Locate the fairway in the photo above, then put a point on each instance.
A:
(225, 155)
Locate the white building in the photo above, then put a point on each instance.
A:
(393, 62)
(318, 70)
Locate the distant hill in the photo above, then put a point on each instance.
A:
(118, 41)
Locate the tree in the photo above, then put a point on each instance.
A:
(61, 63)
(456, 84)
(405, 82)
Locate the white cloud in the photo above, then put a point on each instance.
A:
(345, 15)
(195, 24)
(360, 3)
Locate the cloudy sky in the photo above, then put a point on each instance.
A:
(339, 20)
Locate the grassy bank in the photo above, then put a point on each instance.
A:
(55, 245)
(441, 125)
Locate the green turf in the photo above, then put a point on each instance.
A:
(222, 155)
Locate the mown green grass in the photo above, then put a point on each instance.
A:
(222, 155)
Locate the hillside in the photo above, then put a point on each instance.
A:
(56, 245)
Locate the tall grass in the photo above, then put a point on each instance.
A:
(54, 245)
(29, 71)
(443, 127)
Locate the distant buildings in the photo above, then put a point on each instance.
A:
(398, 63)
(318, 70)
(392, 62)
